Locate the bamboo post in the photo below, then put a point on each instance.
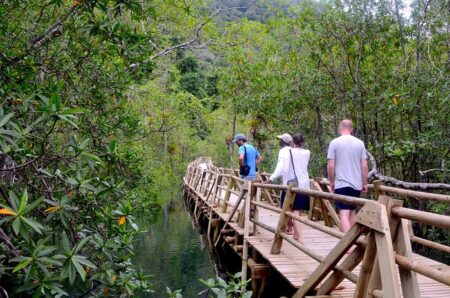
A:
(206, 183)
(213, 185)
(243, 193)
(218, 190)
(227, 194)
(283, 220)
(246, 234)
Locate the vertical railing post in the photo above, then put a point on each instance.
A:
(283, 219)
(226, 199)
(247, 203)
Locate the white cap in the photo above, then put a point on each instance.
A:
(285, 137)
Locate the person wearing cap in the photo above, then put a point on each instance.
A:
(248, 155)
(282, 169)
(294, 162)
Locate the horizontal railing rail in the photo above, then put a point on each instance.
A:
(218, 184)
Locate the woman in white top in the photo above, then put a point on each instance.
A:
(299, 162)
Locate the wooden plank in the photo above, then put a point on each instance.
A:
(246, 235)
(372, 215)
(337, 277)
(296, 266)
(227, 195)
(410, 285)
(385, 253)
(282, 221)
(367, 266)
(331, 260)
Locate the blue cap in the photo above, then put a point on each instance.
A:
(238, 137)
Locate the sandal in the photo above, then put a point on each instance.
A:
(289, 231)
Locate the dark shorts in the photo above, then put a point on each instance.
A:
(346, 191)
(301, 201)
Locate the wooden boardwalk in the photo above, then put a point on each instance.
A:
(293, 264)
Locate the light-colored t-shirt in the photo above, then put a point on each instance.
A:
(285, 169)
(301, 159)
(347, 151)
(250, 159)
(282, 168)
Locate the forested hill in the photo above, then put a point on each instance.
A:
(252, 10)
(104, 102)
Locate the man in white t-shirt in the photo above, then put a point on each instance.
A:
(347, 170)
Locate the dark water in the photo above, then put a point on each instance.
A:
(173, 251)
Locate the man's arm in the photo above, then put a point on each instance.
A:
(258, 159)
(331, 163)
(364, 170)
(241, 159)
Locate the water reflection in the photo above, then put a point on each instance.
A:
(173, 251)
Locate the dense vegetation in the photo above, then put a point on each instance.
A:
(104, 101)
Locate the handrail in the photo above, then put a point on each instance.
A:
(430, 244)
(428, 271)
(429, 218)
(195, 178)
(415, 194)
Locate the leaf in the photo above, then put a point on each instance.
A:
(23, 201)
(16, 225)
(23, 264)
(122, 220)
(52, 209)
(65, 242)
(9, 132)
(66, 119)
(6, 119)
(14, 200)
(7, 212)
(81, 244)
(46, 250)
(33, 205)
(84, 260)
(33, 224)
(79, 268)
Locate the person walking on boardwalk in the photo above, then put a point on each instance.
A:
(282, 169)
(347, 170)
(249, 157)
(297, 170)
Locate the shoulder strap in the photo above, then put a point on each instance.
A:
(292, 161)
(245, 155)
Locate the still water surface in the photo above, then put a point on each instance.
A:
(173, 252)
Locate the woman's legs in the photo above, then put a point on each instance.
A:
(297, 228)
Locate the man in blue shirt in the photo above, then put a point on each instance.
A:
(248, 155)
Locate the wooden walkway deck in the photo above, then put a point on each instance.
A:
(291, 263)
(296, 266)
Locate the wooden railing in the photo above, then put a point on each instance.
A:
(382, 233)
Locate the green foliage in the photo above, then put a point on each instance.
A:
(78, 154)
(102, 107)
(226, 289)
(305, 70)
(173, 294)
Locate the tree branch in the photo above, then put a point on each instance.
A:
(374, 174)
(8, 243)
(197, 33)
